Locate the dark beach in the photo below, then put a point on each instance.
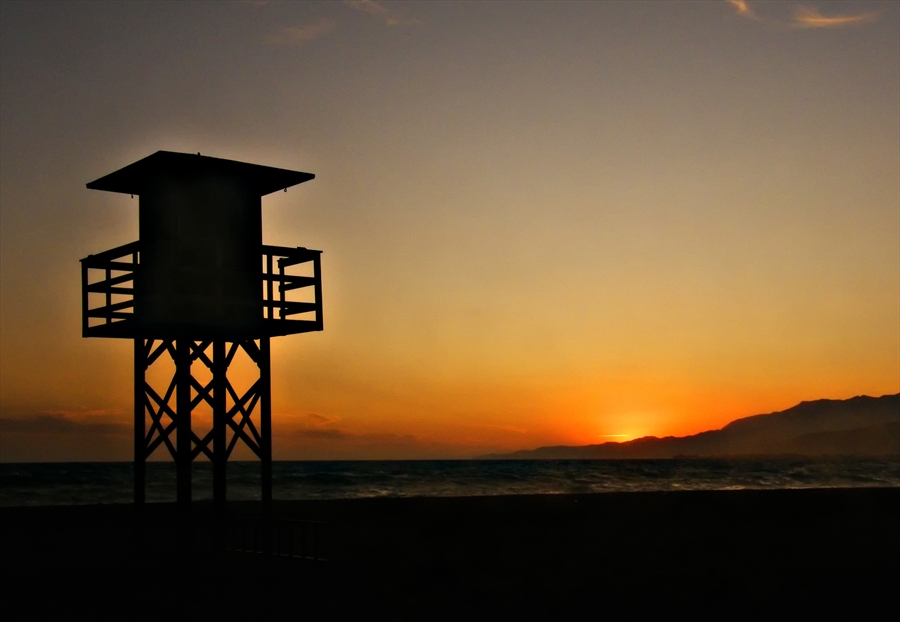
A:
(750, 554)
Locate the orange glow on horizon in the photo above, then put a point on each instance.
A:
(539, 226)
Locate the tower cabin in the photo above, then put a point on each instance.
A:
(199, 269)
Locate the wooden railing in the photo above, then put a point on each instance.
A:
(119, 269)
(119, 273)
(277, 307)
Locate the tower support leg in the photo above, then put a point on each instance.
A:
(183, 413)
(169, 419)
(140, 444)
(220, 414)
(140, 449)
(265, 425)
(183, 458)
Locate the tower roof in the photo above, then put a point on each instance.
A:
(134, 178)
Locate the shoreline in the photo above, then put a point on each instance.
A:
(206, 503)
(87, 484)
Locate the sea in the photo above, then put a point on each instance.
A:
(36, 484)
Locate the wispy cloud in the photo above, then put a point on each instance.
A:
(505, 428)
(327, 434)
(367, 6)
(805, 17)
(319, 420)
(743, 9)
(352, 438)
(391, 18)
(65, 423)
(314, 425)
(318, 428)
(802, 17)
(301, 35)
(65, 436)
(399, 19)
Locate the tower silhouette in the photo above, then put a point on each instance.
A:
(199, 286)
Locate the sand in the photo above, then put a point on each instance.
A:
(777, 554)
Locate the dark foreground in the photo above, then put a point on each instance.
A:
(780, 554)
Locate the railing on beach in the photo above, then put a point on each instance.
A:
(288, 538)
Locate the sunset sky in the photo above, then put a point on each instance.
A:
(542, 223)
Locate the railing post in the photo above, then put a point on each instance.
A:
(281, 295)
(84, 299)
(108, 297)
(270, 294)
(317, 276)
(135, 259)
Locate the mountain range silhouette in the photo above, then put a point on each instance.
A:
(859, 426)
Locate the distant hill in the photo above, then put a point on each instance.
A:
(859, 426)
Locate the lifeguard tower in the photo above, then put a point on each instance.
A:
(198, 286)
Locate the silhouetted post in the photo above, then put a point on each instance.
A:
(265, 433)
(183, 423)
(220, 371)
(140, 445)
(140, 458)
(265, 420)
(200, 277)
(183, 459)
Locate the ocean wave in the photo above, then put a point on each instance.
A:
(92, 483)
